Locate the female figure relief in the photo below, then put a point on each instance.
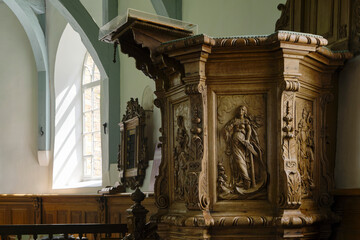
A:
(180, 157)
(305, 140)
(245, 155)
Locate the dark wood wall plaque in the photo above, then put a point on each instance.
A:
(132, 161)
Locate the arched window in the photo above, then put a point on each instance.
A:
(78, 150)
(91, 155)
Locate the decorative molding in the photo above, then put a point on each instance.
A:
(248, 221)
(291, 85)
(284, 36)
(133, 109)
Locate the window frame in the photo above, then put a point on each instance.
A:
(84, 86)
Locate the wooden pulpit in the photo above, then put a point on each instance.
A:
(248, 130)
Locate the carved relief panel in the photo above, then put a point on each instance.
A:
(181, 143)
(305, 145)
(241, 153)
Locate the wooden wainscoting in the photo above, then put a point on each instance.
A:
(347, 206)
(53, 209)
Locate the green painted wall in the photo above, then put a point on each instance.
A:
(232, 17)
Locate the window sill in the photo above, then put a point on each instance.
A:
(84, 184)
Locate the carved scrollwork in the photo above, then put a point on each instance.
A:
(133, 109)
(247, 174)
(283, 22)
(290, 85)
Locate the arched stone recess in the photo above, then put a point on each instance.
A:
(82, 22)
(26, 12)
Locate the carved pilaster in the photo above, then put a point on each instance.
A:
(290, 179)
(196, 150)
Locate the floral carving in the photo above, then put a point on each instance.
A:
(291, 197)
(294, 186)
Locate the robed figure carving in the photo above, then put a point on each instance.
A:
(247, 173)
(180, 157)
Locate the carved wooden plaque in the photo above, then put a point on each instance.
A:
(242, 168)
(132, 161)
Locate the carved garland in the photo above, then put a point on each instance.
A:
(196, 154)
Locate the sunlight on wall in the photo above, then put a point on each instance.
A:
(67, 166)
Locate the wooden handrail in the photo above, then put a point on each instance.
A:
(50, 229)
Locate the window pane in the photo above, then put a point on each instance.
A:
(96, 74)
(97, 168)
(87, 122)
(87, 144)
(89, 60)
(96, 95)
(87, 166)
(91, 120)
(97, 124)
(87, 75)
(97, 143)
(87, 100)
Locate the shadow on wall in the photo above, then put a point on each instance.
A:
(348, 131)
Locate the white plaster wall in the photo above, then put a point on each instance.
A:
(19, 168)
(232, 17)
(347, 167)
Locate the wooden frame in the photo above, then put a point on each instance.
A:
(132, 161)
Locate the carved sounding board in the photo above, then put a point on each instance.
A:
(248, 131)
